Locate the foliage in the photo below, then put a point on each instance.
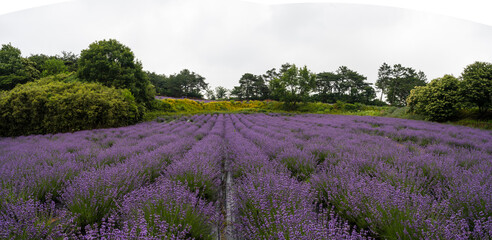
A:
(14, 69)
(183, 84)
(209, 93)
(363, 178)
(343, 85)
(476, 86)
(68, 59)
(221, 92)
(53, 66)
(294, 85)
(189, 84)
(396, 82)
(437, 101)
(50, 106)
(38, 60)
(113, 64)
(251, 87)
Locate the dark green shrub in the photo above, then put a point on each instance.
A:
(163, 106)
(476, 87)
(349, 107)
(437, 101)
(50, 105)
(114, 65)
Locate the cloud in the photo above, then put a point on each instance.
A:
(222, 39)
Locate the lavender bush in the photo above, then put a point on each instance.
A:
(252, 176)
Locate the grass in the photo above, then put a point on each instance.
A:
(170, 109)
(474, 123)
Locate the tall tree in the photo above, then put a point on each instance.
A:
(384, 77)
(477, 85)
(353, 84)
(186, 84)
(294, 85)
(271, 78)
(325, 82)
(344, 85)
(113, 64)
(14, 69)
(210, 94)
(396, 82)
(221, 92)
(53, 66)
(237, 92)
(70, 59)
(253, 87)
(159, 81)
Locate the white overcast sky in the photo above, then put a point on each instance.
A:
(222, 39)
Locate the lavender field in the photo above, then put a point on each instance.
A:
(250, 176)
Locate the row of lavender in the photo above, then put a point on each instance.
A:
(395, 178)
(267, 202)
(105, 183)
(287, 177)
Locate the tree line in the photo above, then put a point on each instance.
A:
(294, 84)
(113, 64)
(444, 97)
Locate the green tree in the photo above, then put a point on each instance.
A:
(253, 87)
(353, 85)
(221, 92)
(272, 91)
(186, 84)
(477, 85)
(246, 85)
(53, 66)
(38, 60)
(294, 85)
(437, 101)
(384, 78)
(344, 85)
(396, 82)
(14, 69)
(113, 64)
(325, 82)
(160, 81)
(237, 92)
(210, 94)
(70, 59)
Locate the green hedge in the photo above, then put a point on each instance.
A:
(437, 101)
(50, 105)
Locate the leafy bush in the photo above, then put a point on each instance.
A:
(49, 105)
(14, 69)
(438, 101)
(476, 86)
(114, 65)
(53, 66)
(163, 106)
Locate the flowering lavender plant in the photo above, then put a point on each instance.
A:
(250, 176)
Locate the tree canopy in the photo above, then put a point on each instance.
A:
(477, 85)
(343, 85)
(294, 84)
(396, 82)
(221, 92)
(437, 101)
(183, 84)
(14, 69)
(251, 87)
(113, 64)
